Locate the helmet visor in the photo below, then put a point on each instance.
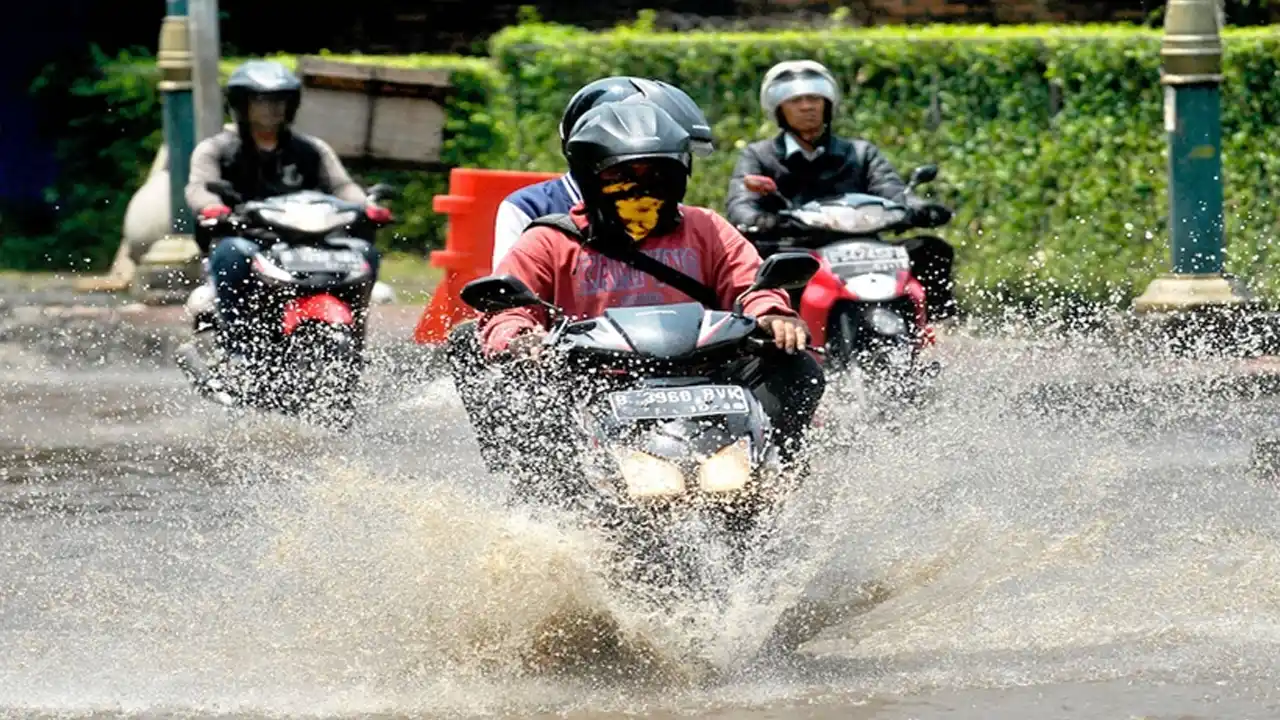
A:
(639, 160)
(787, 87)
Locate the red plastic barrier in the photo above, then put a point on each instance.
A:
(472, 207)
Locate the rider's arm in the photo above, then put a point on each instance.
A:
(333, 176)
(733, 267)
(510, 224)
(882, 179)
(742, 206)
(204, 169)
(532, 261)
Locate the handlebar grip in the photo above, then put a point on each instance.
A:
(761, 344)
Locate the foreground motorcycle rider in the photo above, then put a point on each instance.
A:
(261, 157)
(559, 195)
(808, 162)
(631, 160)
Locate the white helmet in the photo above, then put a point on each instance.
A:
(793, 78)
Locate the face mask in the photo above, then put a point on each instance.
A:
(639, 213)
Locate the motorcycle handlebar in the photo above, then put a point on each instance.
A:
(240, 223)
(758, 345)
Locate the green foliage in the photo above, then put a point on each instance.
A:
(1049, 138)
(109, 126)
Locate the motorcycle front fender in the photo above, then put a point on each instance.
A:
(321, 308)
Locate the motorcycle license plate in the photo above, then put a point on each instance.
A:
(673, 403)
(311, 260)
(862, 258)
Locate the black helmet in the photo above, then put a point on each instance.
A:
(619, 88)
(616, 133)
(681, 108)
(263, 77)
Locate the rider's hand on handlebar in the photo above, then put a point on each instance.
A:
(527, 345)
(377, 213)
(789, 333)
(930, 214)
(767, 221)
(214, 212)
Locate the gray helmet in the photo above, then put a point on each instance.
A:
(263, 77)
(625, 88)
(793, 78)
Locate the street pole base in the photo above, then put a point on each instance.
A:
(1173, 293)
(1205, 315)
(168, 272)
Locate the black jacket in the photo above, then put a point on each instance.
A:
(845, 166)
(302, 162)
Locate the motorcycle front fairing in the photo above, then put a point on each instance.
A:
(674, 356)
(852, 215)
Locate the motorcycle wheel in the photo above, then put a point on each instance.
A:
(326, 368)
(887, 364)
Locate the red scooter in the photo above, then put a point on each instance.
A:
(863, 307)
(306, 351)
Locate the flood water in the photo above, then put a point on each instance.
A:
(1039, 544)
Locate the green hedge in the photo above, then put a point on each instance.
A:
(113, 127)
(1049, 139)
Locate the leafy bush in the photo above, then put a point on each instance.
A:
(1049, 138)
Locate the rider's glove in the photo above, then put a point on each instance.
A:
(377, 213)
(767, 221)
(930, 215)
(214, 212)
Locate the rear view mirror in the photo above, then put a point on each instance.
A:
(923, 174)
(225, 191)
(496, 293)
(382, 191)
(786, 271)
(782, 271)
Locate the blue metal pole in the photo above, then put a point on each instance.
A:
(1192, 60)
(176, 90)
(1191, 72)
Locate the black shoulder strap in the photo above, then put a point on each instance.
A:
(636, 259)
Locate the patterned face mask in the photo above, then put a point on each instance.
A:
(639, 213)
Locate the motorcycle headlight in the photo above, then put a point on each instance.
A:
(729, 470)
(647, 476)
(886, 322)
(873, 286)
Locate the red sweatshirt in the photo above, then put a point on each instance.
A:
(585, 283)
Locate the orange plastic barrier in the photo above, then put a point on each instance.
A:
(472, 207)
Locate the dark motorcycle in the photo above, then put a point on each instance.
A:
(305, 354)
(668, 424)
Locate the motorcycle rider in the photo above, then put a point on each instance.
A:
(631, 161)
(808, 162)
(261, 156)
(559, 195)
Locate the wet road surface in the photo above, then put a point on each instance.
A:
(1047, 542)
